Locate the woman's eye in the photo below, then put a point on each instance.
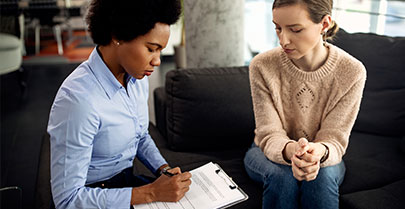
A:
(296, 31)
(150, 50)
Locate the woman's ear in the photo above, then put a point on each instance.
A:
(115, 41)
(326, 22)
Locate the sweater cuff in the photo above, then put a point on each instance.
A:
(333, 157)
(275, 151)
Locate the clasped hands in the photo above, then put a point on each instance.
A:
(305, 158)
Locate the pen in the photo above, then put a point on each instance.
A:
(167, 173)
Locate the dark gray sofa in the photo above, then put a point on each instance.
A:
(206, 115)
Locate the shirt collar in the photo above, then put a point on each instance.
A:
(103, 74)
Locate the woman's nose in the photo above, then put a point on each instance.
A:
(284, 40)
(156, 61)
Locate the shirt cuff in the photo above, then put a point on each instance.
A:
(119, 198)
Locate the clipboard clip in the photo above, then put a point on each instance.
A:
(226, 178)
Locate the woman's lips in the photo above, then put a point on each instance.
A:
(149, 72)
(288, 50)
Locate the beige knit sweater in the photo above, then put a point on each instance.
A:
(290, 103)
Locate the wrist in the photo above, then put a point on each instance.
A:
(143, 194)
(287, 153)
(164, 169)
(325, 154)
(150, 193)
(160, 170)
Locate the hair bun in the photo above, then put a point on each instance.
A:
(333, 29)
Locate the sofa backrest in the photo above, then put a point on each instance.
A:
(209, 109)
(382, 110)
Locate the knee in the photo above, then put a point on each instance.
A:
(281, 179)
(250, 155)
(281, 176)
(279, 187)
(255, 164)
(323, 192)
(252, 159)
(265, 171)
(328, 180)
(330, 175)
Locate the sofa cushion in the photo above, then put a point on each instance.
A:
(159, 98)
(372, 161)
(403, 144)
(209, 108)
(391, 196)
(382, 109)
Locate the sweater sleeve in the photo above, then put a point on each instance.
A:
(270, 135)
(336, 126)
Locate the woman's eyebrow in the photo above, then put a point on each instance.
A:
(293, 25)
(155, 44)
(289, 26)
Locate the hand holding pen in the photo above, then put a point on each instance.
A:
(172, 185)
(168, 171)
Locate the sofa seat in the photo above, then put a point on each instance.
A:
(389, 196)
(372, 161)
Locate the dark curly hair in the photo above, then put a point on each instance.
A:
(127, 19)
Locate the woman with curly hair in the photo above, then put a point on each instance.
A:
(99, 119)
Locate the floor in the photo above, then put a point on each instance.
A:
(23, 122)
(24, 115)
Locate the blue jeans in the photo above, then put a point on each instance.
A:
(282, 190)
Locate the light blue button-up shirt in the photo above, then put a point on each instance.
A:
(97, 127)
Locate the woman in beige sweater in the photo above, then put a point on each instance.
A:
(306, 96)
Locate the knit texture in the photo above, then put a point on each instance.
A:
(320, 105)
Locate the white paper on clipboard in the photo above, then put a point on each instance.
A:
(211, 188)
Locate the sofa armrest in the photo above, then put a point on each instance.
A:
(159, 96)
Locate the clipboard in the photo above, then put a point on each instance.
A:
(232, 185)
(211, 188)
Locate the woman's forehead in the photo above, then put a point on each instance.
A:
(291, 15)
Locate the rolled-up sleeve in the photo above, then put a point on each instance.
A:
(72, 126)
